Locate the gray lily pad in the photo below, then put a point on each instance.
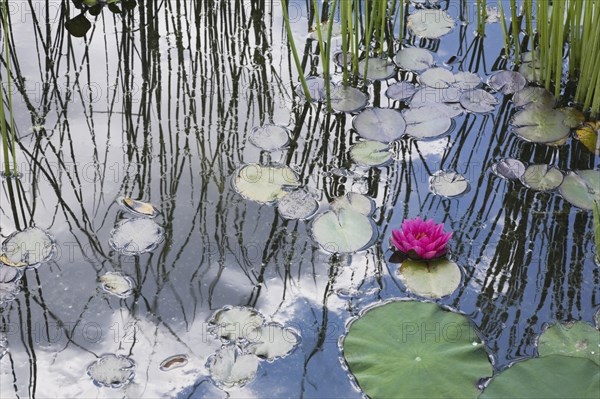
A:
(581, 188)
(9, 274)
(379, 124)
(412, 349)
(466, 80)
(534, 97)
(422, 123)
(577, 339)
(507, 82)
(28, 248)
(136, 236)
(414, 59)
(112, 371)
(348, 99)
(478, 101)
(509, 168)
(355, 201)
(370, 153)
(316, 89)
(298, 204)
(338, 58)
(440, 109)
(431, 95)
(269, 137)
(448, 184)
(542, 177)
(8, 291)
(264, 184)
(229, 367)
(273, 341)
(430, 23)
(547, 377)
(236, 323)
(343, 231)
(439, 78)
(117, 284)
(433, 279)
(378, 68)
(400, 91)
(540, 125)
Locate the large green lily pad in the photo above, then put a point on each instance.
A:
(540, 125)
(577, 339)
(264, 184)
(430, 23)
(581, 188)
(380, 124)
(547, 377)
(343, 231)
(415, 350)
(542, 177)
(431, 279)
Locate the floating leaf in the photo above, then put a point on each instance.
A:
(264, 184)
(298, 204)
(338, 58)
(9, 274)
(534, 97)
(448, 184)
(422, 123)
(400, 91)
(430, 23)
(112, 371)
(415, 350)
(492, 14)
(355, 201)
(433, 279)
(439, 78)
(378, 68)
(478, 100)
(588, 135)
(507, 82)
(370, 153)
(316, 89)
(229, 367)
(430, 95)
(336, 30)
(546, 377)
(173, 362)
(414, 59)
(509, 168)
(236, 323)
(466, 80)
(527, 70)
(449, 110)
(573, 116)
(542, 177)
(273, 341)
(343, 231)
(117, 284)
(28, 247)
(269, 137)
(78, 26)
(540, 125)
(347, 99)
(138, 208)
(581, 188)
(379, 124)
(136, 236)
(577, 339)
(8, 291)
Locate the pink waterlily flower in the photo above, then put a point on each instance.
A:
(421, 239)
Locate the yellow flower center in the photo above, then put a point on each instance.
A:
(420, 235)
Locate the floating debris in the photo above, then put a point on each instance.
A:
(28, 248)
(138, 208)
(117, 284)
(173, 362)
(112, 371)
(136, 236)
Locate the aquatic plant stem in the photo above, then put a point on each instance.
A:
(5, 141)
(288, 28)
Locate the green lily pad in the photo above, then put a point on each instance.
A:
(509, 168)
(230, 367)
(269, 137)
(273, 341)
(533, 97)
(412, 349)
(588, 135)
(28, 248)
(573, 116)
(546, 377)
(400, 91)
(542, 177)
(414, 59)
(433, 279)
(507, 82)
(379, 124)
(355, 201)
(439, 78)
(466, 80)
(378, 68)
(347, 99)
(298, 204)
(478, 101)
(422, 123)
(540, 125)
(264, 184)
(527, 70)
(581, 188)
(448, 184)
(370, 153)
(577, 339)
(343, 231)
(430, 23)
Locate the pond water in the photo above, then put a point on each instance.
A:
(159, 105)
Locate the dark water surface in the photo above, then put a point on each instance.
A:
(157, 105)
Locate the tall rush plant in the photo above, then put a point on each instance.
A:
(7, 141)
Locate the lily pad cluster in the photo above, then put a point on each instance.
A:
(247, 340)
(136, 235)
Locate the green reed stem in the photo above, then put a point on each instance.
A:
(504, 29)
(3, 127)
(288, 28)
(597, 228)
(516, 28)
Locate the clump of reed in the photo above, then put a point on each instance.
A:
(7, 128)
